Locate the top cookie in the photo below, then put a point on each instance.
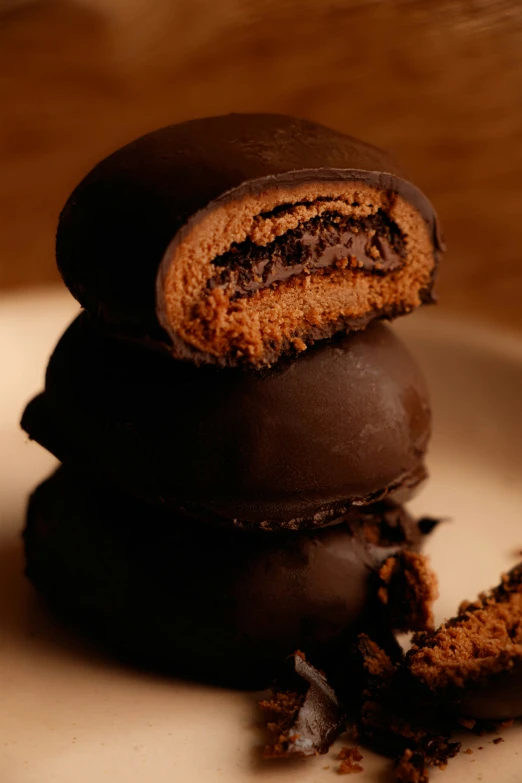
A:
(232, 240)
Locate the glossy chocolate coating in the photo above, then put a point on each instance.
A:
(117, 224)
(318, 718)
(226, 606)
(346, 423)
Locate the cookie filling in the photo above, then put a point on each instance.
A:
(320, 245)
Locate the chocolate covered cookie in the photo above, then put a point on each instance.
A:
(218, 605)
(345, 424)
(232, 240)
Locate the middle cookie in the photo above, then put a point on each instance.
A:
(347, 423)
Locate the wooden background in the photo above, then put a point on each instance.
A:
(439, 82)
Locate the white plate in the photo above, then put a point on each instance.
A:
(70, 716)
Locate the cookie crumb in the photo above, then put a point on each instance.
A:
(468, 751)
(411, 767)
(349, 760)
(408, 588)
(498, 740)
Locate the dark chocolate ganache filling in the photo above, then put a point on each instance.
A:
(372, 244)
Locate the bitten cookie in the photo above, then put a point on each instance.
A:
(232, 240)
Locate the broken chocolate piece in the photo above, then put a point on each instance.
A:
(232, 240)
(306, 714)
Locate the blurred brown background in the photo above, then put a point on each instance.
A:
(439, 82)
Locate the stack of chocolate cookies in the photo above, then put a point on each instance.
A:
(238, 428)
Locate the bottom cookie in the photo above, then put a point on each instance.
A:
(217, 605)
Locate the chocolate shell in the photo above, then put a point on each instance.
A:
(343, 425)
(217, 605)
(236, 239)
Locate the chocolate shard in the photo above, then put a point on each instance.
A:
(233, 240)
(306, 714)
(428, 524)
